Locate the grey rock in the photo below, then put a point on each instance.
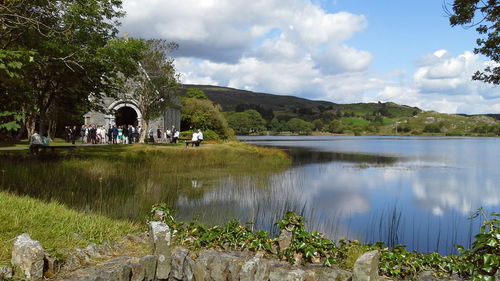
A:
(284, 274)
(5, 272)
(160, 243)
(321, 273)
(426, 276)
(53, 266)
(218, 268)
(84, 274)
(163, 264)
(255, 269)
(160, 234)
(28, 257)
(82, 255)
(117, 269)
(285, 239)
(262, 270)
(149, 263)
(234, 265)
(92, 251)
(366, 267)
(71, 262)
(178, 257)
(201, 266)
(137, 270)
(187, 269)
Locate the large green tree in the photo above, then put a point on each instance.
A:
(64, 40)
(246, 122)
(198, 112)
(156, 86)
(484, 15)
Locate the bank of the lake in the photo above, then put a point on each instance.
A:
(63, 216)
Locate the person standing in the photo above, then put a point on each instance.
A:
(120, 134)
(125, 134)
(115, 134)
(75, 132)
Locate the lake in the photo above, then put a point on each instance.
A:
(416, 191)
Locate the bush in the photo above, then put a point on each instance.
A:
(432, 128)
(207, 135)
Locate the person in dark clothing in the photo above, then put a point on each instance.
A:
(67, 133)
(158, 134)
(110, 134)
(93, 135)
(125, 134)
(75, 132)
(130, 134)
(115, 134)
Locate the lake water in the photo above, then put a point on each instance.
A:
(416, 191)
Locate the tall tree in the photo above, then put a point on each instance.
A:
(66, 38)
(156, 87)
(485, 16)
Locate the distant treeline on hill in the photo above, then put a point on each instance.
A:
(249, 112)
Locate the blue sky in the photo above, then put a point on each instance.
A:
(342, 51)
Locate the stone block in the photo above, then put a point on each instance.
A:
(366, 267)
(28, 258)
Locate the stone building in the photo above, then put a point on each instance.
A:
(126, 112)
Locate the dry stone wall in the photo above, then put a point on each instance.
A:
(170, 263)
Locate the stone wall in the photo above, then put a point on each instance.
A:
(169, 262)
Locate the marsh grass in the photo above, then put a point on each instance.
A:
(57, 227)
(118, 181)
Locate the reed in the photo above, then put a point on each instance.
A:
(57, 227)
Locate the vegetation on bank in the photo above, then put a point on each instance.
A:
(58, 228)
(102, 180)
(479, 263)
(424, 123)
(249, 113)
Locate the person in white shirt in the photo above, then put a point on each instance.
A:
(176, 137)
(194, 139)
(35, 142)
(200, 137)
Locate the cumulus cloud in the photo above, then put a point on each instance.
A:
(295, 47)
(227, 30)
(442, 82)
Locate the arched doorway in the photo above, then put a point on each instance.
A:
(126, 116)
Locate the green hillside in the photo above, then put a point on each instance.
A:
(288, 107)
(290, 114)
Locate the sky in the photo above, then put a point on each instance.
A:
(342, 51)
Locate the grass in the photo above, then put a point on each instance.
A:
(91, 190)
(57, 227)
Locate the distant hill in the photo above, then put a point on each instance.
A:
(287, 107)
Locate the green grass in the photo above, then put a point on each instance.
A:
(120, 182)
(57, 227)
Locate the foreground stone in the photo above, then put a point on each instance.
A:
(5, 272)
(28, 258)
(366, 267)
(160, 243)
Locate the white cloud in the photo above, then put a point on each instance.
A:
(443, 83)
(295, 47)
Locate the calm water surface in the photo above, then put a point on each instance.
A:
(416, 191)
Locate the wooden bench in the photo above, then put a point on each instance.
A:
(193, 143)
(34, 149)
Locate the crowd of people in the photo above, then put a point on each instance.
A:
(124, 134)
